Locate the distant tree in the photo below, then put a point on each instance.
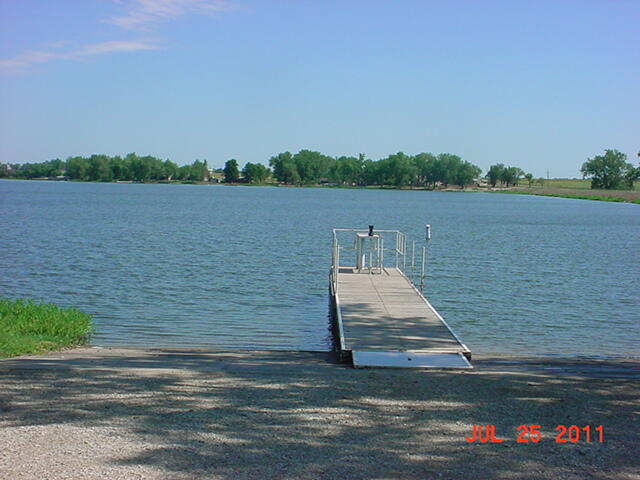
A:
(231, 172)
(610, 171)
(255, 172)
(118, 168)
(398, 169)
(290, 173)
(199, 171)
(631, 176)
(519, 174)
(99, 169)
(277, 163)
(511, 175)
(370, 173)
(297, 169)
(382, 173)
(55, 167)
(76, 168)
(346, 170)
(184, 172)
(312, 166)
(154, 166)
(465, 173)
(140, 167)
(434, 172)
(425, 164)
(529, 178)
(506, 176)
(540, 181)
(169, 170)
(446, 168)
(495, 173)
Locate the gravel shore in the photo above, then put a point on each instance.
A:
(100, 413)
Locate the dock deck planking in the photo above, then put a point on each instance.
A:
(384, 313)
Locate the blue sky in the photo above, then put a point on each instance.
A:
(543, 85)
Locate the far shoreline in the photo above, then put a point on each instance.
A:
(618, 196)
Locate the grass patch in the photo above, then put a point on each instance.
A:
(580, 184)
(631, 196)
(578, 196)
(30, 327)
(575, 183)
(584, 197)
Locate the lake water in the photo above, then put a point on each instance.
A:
(247, 267)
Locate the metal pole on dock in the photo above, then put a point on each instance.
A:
(424, 258)
(427, 237)
(413, 259)
(397, 247)
(404, 253)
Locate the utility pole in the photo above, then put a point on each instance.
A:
(547, 175)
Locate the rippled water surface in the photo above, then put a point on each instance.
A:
(246, 267)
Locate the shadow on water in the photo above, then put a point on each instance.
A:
(303, 415)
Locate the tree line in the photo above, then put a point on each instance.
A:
(103, 168)
(398, 170)
(307, 167)
(303, 168)
(509, 176)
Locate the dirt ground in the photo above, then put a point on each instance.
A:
(97, 413)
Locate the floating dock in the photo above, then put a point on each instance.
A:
(381, 318)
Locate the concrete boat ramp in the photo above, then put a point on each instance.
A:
(381, 318)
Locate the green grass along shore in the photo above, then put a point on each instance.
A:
(580, 196)
(30, 327)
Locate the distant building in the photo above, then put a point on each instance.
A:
(214, 176)
(5, 170)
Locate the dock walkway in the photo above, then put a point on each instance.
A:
(383, 320)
